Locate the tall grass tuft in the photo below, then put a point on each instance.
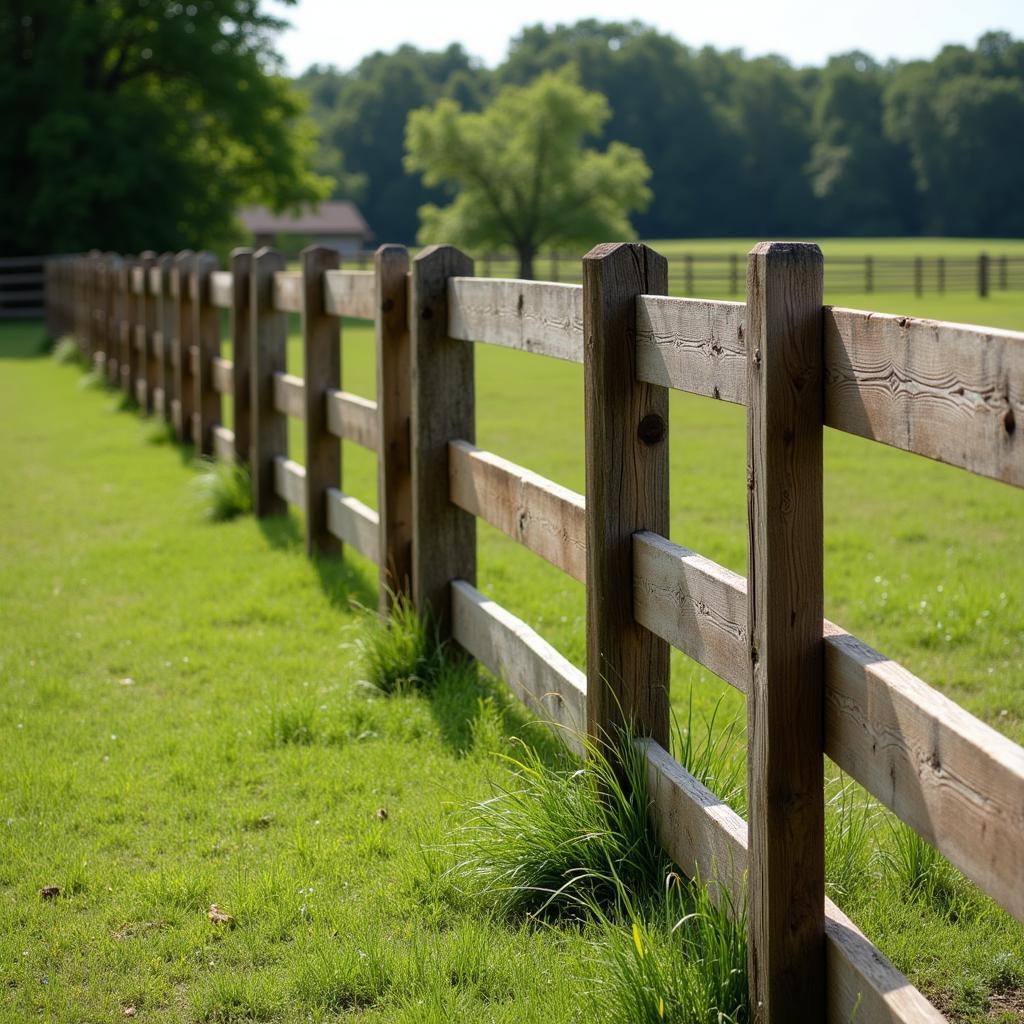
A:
(685, 963)
(223, 490)
(850, 820)
(557, 839)
(403, 652)
(66, 351)
(712, 756)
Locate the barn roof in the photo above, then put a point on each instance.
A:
(338, 217)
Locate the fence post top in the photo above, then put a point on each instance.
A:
(241, 252)
(268, 254)
(792, 250)
(322, 256)
(390, 249)
(621, 250)
(436, 253)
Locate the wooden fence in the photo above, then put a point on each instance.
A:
(944, 391)
(22, 287)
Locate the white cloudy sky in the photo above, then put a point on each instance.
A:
(806, 31)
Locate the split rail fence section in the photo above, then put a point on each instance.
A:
(944, 391)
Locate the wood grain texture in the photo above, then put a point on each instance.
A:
(707, 839)
(353, 523)
(533, 316)
(548, 684)
(784, 615)
(626, 491)
(288, 291)
(183, 400)
(443, 409)
(269, 332)
(223, 443)
(700, 608)
(222, 289)
(692, 345)
(321, 344)
(289, 395)
(947, 391)
(241, 349)
(353, 418)
(350, 293)
(223, 374)
(290, 481)
(393, 419)
(206, 327)
(548, 519)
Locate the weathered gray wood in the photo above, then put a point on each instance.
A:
(707, 839)
(353, 523)
(223, 374)
(785, 599)
(223, 444)
(290, 481)
(947, 391)
(182, 404)
(288, 291)
(167, 316)
(534, 316)
(695, 605)
(693, 345)
(548, 684)
(393, 416)
(268, 438)
(350, 293)
(443, 409)
(354, 418)
(627, 491)
(321, 343)
(541, 515)
(222, 289)
(241, 350)
(206, 327)
(289, 395)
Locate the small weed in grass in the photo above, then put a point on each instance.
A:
(226, 997)
(223, 490)
(343, 974)
(66, 350)
(293, 723)
(159, 433)
(402, 653)
(94, 380)
(685, 963)
(918, 870)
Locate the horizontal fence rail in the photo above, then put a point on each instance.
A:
(949, 392)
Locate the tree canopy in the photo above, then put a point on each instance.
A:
(519, 173)
(132, 124)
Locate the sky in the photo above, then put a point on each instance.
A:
(806, 31)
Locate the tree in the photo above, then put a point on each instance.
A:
(130, 124)
(520, 174)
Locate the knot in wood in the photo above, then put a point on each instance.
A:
(387, 305)
(1009, 421)
(652, 429)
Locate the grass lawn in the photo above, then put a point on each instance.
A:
(185, 724)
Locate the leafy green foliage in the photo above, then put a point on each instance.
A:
(172, 116)
(520, 174)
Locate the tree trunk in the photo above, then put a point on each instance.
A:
(526, 254)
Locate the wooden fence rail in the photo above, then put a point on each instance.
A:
(945, 391)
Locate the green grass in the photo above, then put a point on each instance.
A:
(251, 758)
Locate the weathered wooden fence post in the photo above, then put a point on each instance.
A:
(869, 274)
(983, 275)
(321, 346)
(241, 350)
(181, 350)
(786, 949)
(443, 410)
(269, 434)
(144, 331)
(941, 268)
(166, 318)
(626, 423)
(394, 415)
(112, 313)
(918, 276)
(126, 349)
(206, 334)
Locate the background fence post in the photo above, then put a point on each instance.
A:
(918, 276)
(786, 947)
(443, 409)
(146, 320)
(321, 345)
(181, 403)
(206, 335)
(626, 425)
(113, 313)
(128, 361)
(241, 349)
(983, 275)
(268, 354)
(394, 415)
(941, 268)
(166, 314)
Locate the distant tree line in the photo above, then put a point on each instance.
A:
(736, 146)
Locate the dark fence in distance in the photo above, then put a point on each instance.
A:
(22, 287)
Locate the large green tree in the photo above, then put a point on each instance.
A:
(133, 124)
(520, 174)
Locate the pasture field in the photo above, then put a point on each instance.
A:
(184, 723)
